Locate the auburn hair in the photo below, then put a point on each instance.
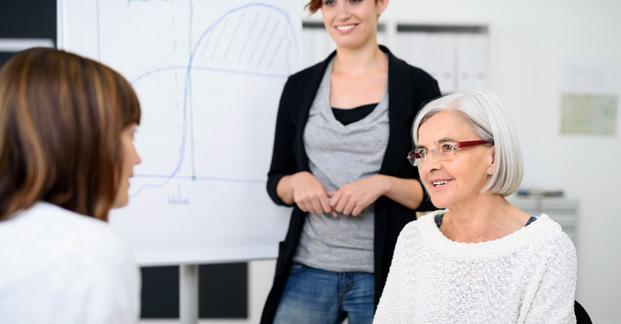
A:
(61, 118)
(314, 5)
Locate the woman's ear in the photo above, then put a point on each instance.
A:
(491, 160)
(381, 5)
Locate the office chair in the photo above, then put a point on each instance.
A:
(582, 317)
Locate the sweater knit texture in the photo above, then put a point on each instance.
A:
(528, 276)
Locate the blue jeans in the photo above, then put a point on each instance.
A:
(314, 296)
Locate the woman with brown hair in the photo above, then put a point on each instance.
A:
(339, 160)
(66, 156)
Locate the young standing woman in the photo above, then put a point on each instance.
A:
(66, 155)
(339, 159)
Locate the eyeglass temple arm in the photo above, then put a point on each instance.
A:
(473, 143)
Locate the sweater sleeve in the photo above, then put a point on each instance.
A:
(553, 301)
(390, 307)
(283, 158)
(111, 289)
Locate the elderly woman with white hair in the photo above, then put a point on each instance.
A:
(479, 259)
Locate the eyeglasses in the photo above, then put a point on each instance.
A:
(444, 152)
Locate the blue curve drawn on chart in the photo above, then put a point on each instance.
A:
(256, 61)
(203, 68)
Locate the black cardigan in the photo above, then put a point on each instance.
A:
(408, 89)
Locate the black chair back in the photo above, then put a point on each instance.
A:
(582, 317)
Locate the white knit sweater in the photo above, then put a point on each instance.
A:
(526, 277)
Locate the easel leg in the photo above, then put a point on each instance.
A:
(188, 293)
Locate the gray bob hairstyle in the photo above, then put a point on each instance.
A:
(485, 113)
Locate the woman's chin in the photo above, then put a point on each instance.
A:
(121, 202)
(439, 203)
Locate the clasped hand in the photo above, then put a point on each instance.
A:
(351, 199)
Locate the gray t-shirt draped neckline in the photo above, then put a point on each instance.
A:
(338, 155)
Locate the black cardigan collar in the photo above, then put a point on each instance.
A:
(399, 96)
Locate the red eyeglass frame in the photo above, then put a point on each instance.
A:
(412, 155)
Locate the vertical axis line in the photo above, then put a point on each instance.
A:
(98, 33)
(191, 104)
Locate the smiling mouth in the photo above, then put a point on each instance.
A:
(439, 183)
(345, 27)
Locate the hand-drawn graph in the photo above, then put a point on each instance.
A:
(243, 46)
(209, 76)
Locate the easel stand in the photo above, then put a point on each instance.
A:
(188, 293)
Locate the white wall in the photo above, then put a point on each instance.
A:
(531, 41)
